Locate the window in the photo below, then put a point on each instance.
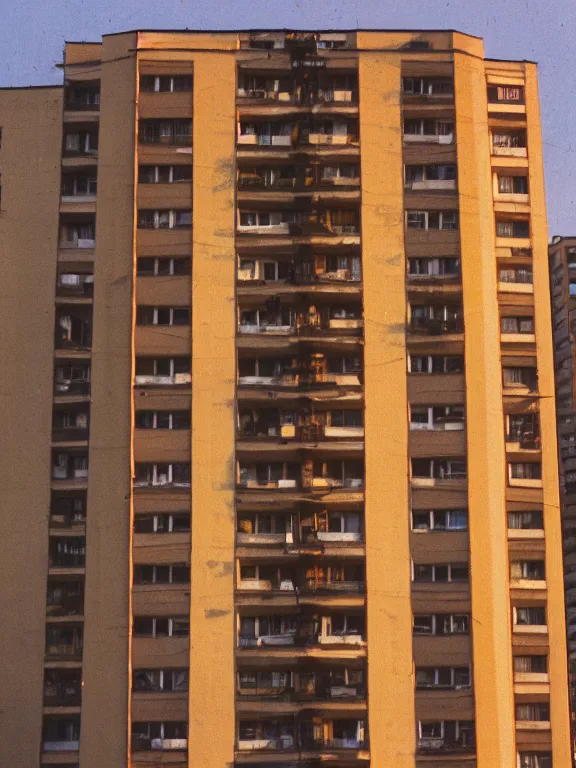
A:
(509, 139)
(162, 316)
(147, 626)
(162, 474)
(163, 419)
(76, 185)
(533, 712)
(440, 520)
(443, 677)
(515, 275)
(441, 624)
(162, 523)
(347, 418)
(435, 364)
(164, 174)
(165, 83)
(179, 265)
(427, 127)
(517, 325)
(449, 573)
(159, 736)
(427, 86)
(520, 377)
(532, 570)
(525, 471)
(434, 267)
(531, 664)
(432, 220)
(513, 229)
(440, 469)
(535, 760)
(506, 94)
(177, 132)
(441, 735)
(515, 185)
(525, 520)
(164, 219)
(420, 173)
(173, 680)
(162, 366)
(436, 417)
(162, 574)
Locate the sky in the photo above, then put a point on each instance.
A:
(32, 37)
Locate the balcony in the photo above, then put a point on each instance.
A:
(64, 642)
(257, 641)
(72, 379)
(65, 599)
(427, 326)
(443, 746)
(509, 144)
(62, 688)
(70, 467)
(67, 552)
(82, 98)
(73, 330)
(75, 285)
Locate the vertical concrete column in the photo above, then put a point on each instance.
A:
(106, 665)
(31, 121)
(389, 617)
(557, 659)
(212, 628)
(492, 654)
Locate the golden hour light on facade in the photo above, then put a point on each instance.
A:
(288, 417)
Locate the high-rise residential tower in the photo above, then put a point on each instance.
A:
(278, 429)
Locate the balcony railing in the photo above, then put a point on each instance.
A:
(66, 605)
(353, 587)
(73, 434)
(300, 97)
(61, 746)
(143, 744)
(70, 387)
(275, 744)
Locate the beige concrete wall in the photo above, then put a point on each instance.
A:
(559, 701)
(212, 640)
(30, 168)
(107, 605)
(389, 618)
(486, 476)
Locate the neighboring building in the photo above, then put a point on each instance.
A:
(563, 290)
(274, 493)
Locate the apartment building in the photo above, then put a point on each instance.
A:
(563, 290)
(280, 479)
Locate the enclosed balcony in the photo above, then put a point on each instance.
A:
(438, 471)
(171, 132)
(332, 527)
(67, 552)
(77, 232)
(159, 736)
(435, 319)
(64, 642)
(70, 423)
(79, 186)
(322, 222)
(71, 466)
(315, 371)
(299, 425)
(65, 597)
(72, 378)
(67, 509)
(346, 473)
(275, 475)
(348, 629)
(523, 432)
(508, 143)
(321, 88)
(80, 96)
(527, 574)
(164, 476)
(421, 178)
(266, 528)
(162, 371)
(344, 318)
(533, 716)
(300, 268)
(445, 737)
(439, 418)
(62, 687)
(61, 734)
(273, 735)
(331, 578)
(73, 329)
(429, 270)
(338, 734)
(299, 178)
(75, 285)
(259, 631)
(425, 130)
(80, 142)
(435, 89)
(306, 133)
(338, 683)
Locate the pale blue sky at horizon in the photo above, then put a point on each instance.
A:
(32, 36)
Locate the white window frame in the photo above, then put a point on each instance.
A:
(155, 311)
(452, 684)
(449, 566)
(431, 523)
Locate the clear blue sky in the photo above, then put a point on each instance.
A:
(32, 34)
